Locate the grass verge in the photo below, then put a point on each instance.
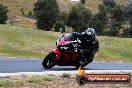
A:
(24, 42)
(114, 47)
(57, 82)
(6, 83)
(31, 43)
(66, 75)
(39, 79)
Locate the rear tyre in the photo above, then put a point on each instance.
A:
(49, 60)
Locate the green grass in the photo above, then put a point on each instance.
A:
(32, 43)
(25, 81)
(116, 47)
(66, 75)
(39, 79)
(6, 83)
(22, 42)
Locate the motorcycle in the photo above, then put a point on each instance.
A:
(66, 53)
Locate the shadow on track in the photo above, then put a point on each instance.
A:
(66, 68)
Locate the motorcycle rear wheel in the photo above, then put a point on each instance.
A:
(49, 61)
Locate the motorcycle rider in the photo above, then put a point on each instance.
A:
(89, 45)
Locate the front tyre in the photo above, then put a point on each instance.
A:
(49, 60)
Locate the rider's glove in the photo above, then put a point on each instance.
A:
(79, 51)
(76, 50)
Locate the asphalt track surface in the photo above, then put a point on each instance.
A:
(13, 65)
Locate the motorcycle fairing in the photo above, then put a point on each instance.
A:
(58, 54)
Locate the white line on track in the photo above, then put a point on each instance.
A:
(59, 73)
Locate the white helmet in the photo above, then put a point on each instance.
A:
(90, 31)
(89, 34)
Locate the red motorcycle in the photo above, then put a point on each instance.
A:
(66, 53)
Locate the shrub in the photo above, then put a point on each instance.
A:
(3, 14)
(46, 12)
(78, 17)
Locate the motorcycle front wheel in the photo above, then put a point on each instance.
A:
(49, 61)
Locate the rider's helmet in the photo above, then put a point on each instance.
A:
(89, 34)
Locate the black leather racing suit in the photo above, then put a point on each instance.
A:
(88, 48)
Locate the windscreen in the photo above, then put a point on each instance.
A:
(69, 37)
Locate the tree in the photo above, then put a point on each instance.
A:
(62, 16)
(83, 2)
(128, 15)
(100, 20)
(58, 25)
(3, 14)
(78, 18)
(117, 20)
(117, 13)
(22, 12)
(30, 14)
(109, 3)
(46, 13)
(130, 31)
(126, 32)
(115, 17)
(128, 11)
